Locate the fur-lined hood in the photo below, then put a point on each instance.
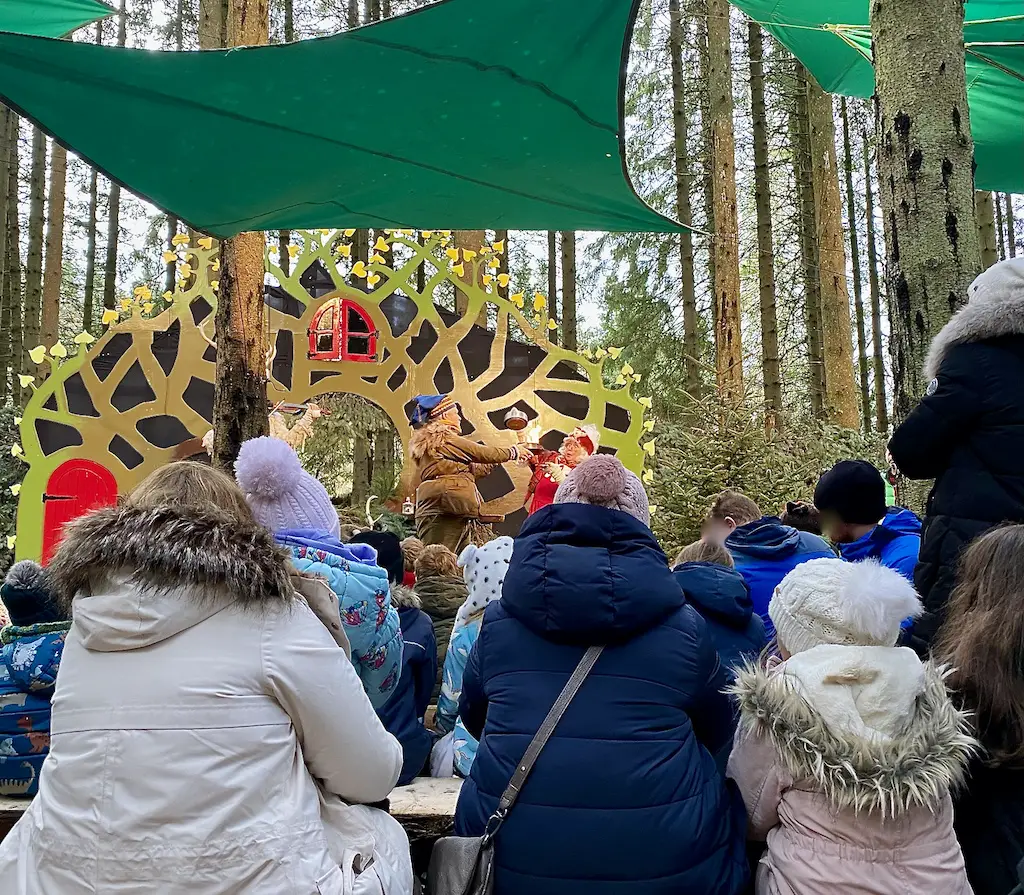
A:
(429, 440)
(925, 757)
(163, 549)
(403, 597)
(995, 308)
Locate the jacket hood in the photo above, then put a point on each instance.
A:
(589, 575)
(872, 728)
(995, 308)
(441, 596)
(403, 597)
(897, 523)
(716, 591)
(328, 543)
(767, 538)
(179, 567)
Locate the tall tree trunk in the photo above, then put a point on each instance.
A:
(765, 238)
(800, 134)
(284, 237)
(927, 158)
(54, 272)
(12, 274)
(878, 358)
(352, 18)
(473, 240)
(502, 237)
(171, 267)
(837, 339)
(728, 321)
(360, 252)
(1000, 232)
(984, 211)
(1011, 227)
(114, 196)
(34, 256)
(240, 392)
(858, 285)
(684, 212)
(700, 12)
(553, 280)
(568, 239)
(360, 470)
(7, 133)
(90, 252)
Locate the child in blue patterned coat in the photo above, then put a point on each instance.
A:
(298, 510)
(30, 652)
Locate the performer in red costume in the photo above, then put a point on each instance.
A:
(551, 467)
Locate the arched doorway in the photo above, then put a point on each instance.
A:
(74, 488)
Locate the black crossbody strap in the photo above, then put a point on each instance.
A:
(524, 767)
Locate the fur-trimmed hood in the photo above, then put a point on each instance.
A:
(995, 308)
(403, 597)
(163, 549)
(887, 765)
(429, 440)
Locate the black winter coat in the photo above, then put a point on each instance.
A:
(989, 823)
(968, 434)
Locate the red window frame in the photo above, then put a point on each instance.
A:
(341, 334)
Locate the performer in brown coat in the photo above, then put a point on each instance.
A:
(445, 469)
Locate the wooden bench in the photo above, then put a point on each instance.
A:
(426, 808)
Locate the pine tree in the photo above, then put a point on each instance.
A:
(858, 285)
(1011, 227)
(114, 196)
(54, 271)
(7, 134)
(34, 256)
(1000, 232)
(13, 289)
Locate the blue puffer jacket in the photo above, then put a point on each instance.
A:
(625, 797)
(722, 598)
(404, 711)
(765, 552)
(895, 542)
(29, 659)
(371, 622)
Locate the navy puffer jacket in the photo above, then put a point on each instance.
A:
(625, 797)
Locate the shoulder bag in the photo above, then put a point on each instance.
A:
(464, 865)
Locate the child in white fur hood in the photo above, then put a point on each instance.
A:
(847, 749)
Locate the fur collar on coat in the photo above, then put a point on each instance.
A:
(995, 308)
(429, 440)
(915, 762)
(160, 548)
(403, 597)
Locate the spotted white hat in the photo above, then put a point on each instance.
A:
(484, 569)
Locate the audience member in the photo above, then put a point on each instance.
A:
(403, 713)
(851, 499)
(764, 549)
(849, 746)
(484, 569)
(802, 516)
(718, 592)
(626, 794)
(967, 433)
(298, 511)
(442, 590)
(982, 640)
(213, 737)
(411, 549)
(29, 659)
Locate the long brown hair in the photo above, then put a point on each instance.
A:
(982, 638)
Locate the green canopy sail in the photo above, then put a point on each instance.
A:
(460, 115)
(49, 18)
(833, 39)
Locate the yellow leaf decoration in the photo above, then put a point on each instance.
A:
(16, 450)
(499, 246)
(168, 257)
(493, 263)
(518, 300)
(620, 379)
(181, 239)
(17, 420)
(216, 264)
(539, 302)
(536, 319)
(487, 279)
(16, 489)
(185, 270)
(649, 447)
(376, 259)
(654, 509)
(37, 354)
(215, 285)
(381, 245)
(109, 316)
(459, 269)
(84, 339)
(25, 379)
(453, 254)
(293, 251)
(627, 370)
(59, 350)
(648, 425)
(11, 541)
(273, 250)
(427, 234)
(147, 308)
(648, 476)
(552, 325)
(503, 280)
(125, 304)
(359, 270)
(345, 251)
(206, 243)
(637, 377)
(468, 254)
(445, 232)
(587, 353)
(143, 293)
(614, 353)
(350, 233)
(600, 353)
(168, 295)
(373, 279)
(646, 402)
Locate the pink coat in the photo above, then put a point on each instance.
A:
(854, 799)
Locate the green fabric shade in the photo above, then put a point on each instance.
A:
(49, 18)
(461, 115)
(833, 39)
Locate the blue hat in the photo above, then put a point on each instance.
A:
(429, 407)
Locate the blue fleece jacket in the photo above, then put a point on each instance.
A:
(765, 552)
(895, 542)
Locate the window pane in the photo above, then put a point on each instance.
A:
(356, 322)
(359, 346)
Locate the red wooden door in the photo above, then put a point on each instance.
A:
(74, 488)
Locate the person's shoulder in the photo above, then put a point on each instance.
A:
(811, 543)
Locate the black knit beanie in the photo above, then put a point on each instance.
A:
(854, 490)
(26, 594)
(389, 552)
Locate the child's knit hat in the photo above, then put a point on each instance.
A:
(484, 569)
(603, 481)
(848, 604)
(280, 492)
(26, 594)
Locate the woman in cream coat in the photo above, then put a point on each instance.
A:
(209, 736)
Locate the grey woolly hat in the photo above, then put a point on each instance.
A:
(603, 481)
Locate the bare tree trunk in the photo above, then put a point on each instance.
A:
(878, 357)
(684, 212)
(12, 273)
(360, 252)
(1000, 232)
(800, 133)
(1011, 227)
(984, 211)
(114, 196)
(728, 321)
(284, 237)
(568, 238)
(90, 252)
(34, 257)
(240, 393)
(473, 240)
(502, 236)
(553, 280)
(353, 18)
(54, 272)
(360, 470)
(7, 133)
(171, 267)
(927, 158)
(858, 286)
(700, 12)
